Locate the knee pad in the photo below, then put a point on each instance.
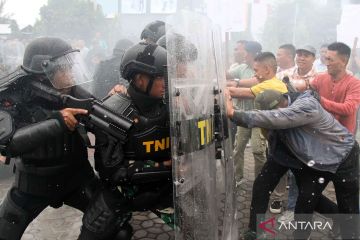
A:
(13, 219)
(105, 215)
(125, 232)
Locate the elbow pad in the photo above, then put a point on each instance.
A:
(30, 137)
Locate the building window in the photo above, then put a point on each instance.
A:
(163, 6)
(133, 6)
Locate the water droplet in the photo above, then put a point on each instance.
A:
(343, 180)
(313, 194)
(276, 115)
(321, 180)
(328, 149)
(311, 163)
(270, 192)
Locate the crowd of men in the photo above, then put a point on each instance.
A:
(298, 112)
(307, 103)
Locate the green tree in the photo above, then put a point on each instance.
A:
(70, 19)
(5, 18)
(301, 22)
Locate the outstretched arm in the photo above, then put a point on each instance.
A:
(236, 92)
(350, 104)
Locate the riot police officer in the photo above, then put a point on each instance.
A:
(137, 172)
(52, 167)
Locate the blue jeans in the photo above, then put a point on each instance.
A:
(293, 192)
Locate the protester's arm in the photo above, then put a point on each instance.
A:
(293, 116)
(248, 83)
(241, 92)
(243, 83)
(232, 83)
(349, 106)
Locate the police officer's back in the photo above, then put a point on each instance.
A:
(107, 74)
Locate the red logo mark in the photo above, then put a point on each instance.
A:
(263, 226)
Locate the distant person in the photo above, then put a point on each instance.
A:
(258, 144)
(320, 64)
(285, 57)
(95, 55)
(80, 44)
(232, 74)
(107, 74)
(304, 72)
(239, 58)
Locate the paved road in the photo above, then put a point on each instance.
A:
(64, 223)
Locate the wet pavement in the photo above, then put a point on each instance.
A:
(65, 222)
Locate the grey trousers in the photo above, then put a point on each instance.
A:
(258, 145)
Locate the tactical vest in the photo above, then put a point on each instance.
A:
(149, 138)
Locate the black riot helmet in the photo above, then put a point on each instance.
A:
(181, 48)
(55, 58)
(153, 31)
(145, 58)
(42, 49)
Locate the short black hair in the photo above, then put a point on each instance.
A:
(290, 48)
(341, 49)
(268, 58)
(242, 41)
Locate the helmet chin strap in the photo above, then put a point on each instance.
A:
(150, 84)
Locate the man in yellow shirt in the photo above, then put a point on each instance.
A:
(265, 68)
(265, 73)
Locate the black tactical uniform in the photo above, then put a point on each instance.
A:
(52, 167)
(107, 74)
(133, 171)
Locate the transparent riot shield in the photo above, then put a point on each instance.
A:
(202, 172)
(225, 164)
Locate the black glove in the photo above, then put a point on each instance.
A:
(316, 95)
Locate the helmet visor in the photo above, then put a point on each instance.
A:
(67, 70)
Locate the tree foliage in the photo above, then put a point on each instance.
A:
(70, 19)
(4, 18)
(301, 22)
